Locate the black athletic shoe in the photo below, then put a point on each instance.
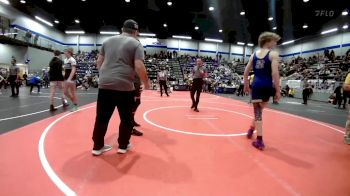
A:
(136, 132)
(136, 124)
(52, 108)
(65, 104)
(196, 110)
(192, 106)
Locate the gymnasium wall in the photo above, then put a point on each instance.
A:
(7, 51)
(24, 23)
(339, 42)
(38, 59)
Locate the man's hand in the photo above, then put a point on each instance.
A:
(69, 81)
(246, 88)
(278, 95)
(147, 85)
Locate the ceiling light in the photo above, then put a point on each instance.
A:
(56, 21)
(274, 28)
(329, 31)
(109, 33)
(165, 25)
(211, 8)
(220, 31)
(345, 26)
(241, 43)
(147, 34)
(288, 42)
(196, 27)
(127, 1)
(44, 21)
(49, 1)
(23, 1)
(305, 26)
(170, 3)
(249, 44)
(242, 13)
(345, 13)
(83, 0)
(270, 18)
(213, 40)
(5, 1)
(305, 1)
(77, 21)
(181, 37)
(75, 32)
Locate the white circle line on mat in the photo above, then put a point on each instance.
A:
(45, 163)
(193, 133)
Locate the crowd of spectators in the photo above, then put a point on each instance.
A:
(323, 66)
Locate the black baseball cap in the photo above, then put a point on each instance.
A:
(131, 24)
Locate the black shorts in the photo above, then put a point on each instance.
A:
(262, 94)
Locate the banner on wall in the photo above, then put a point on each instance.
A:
(152, 42)
(296, 84)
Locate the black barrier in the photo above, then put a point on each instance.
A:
(181, 88)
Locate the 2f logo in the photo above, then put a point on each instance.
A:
(324, 13)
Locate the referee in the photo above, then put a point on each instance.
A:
(120, 57)
(197, 85)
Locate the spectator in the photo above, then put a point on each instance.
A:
(35, 81)
(340, 96)
(306, 93)
(28, 36)
(291, 92)
(36, 38)
(25, 76)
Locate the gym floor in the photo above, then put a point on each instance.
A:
(181, 153)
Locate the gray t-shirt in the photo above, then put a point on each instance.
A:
(14, 70)
(197, 72)
(118, 70)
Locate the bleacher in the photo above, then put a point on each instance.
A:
(240, 68)
(153, 66)
(86, 67)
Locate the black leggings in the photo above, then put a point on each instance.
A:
(197, 87)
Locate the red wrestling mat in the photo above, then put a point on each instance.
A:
(181, 153)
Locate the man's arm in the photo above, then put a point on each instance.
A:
(99, 61)
(141, 72)
(346, 85)
(74, 69)
(275, 73)
(248, 68)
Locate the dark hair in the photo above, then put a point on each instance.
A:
(57, 53)
(129, 30)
